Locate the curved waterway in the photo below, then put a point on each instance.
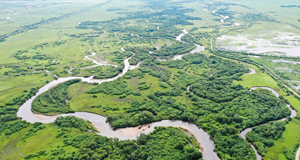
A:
(252, 71)
(99, 121)
(25, 110)
(244, 132)
(198, 48)
(88, 57)
(131, 133)
(297, 154)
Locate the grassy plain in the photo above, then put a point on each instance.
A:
(12, 87)
(83, 102)
(294, 102)
(289, 139)
(15, 16)
(290, 136)
(268, 31)
(273, 9)
(13, 147)
(259, 79)
(73, 51)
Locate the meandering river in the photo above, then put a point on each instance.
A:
(244, 132)
(179, 57)
(99, 121)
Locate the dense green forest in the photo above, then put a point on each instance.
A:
(210, 89)
(109, 73)
(263, 136)
(9, 109)
(163, 143)
(223, 116)
(54, 101)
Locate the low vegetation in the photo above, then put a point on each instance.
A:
(55, 100)
(209, 89)
(263, 136)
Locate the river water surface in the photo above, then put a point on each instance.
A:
(198, 48)
(244, 132)
(99, 122)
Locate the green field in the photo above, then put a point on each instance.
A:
(13, 147)
(288, 140)
(209, 89)
(259, 79)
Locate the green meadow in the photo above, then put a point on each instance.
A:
(208, 89)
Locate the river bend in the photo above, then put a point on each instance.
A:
(99, 121)
(244, 132)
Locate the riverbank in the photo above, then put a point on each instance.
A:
(100, 124)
